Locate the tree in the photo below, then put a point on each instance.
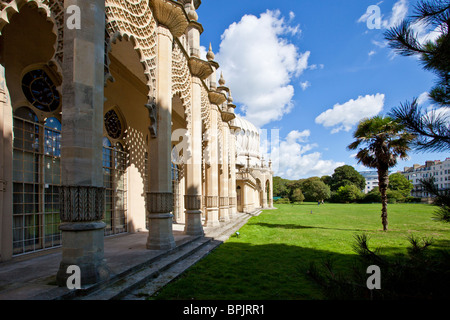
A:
(280, 187)
(441, 199)
(326, 180)
(315, 189)
(346, 175)
(348, 193)
(383, 140)
(432, 128)
(398, 182)
(297, 196)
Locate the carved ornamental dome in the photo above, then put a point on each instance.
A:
(247, 142)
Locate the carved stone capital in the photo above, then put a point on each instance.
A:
(223, 202)
(217, 98)
(212, 201)
(196, 2)
(81, 203)
(227, 115)
(192, 202)
(171, 14)
(159, 202)
(200, 68)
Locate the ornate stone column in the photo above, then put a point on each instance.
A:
(6, 159)
(172, 22)
(200, 70)
(212, 156)
(160, 196)
(232, 181)
(223, 176)
(212, 173)
(82, 192)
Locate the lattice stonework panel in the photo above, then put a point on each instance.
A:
(57, 9)
(134, 19)
(181, 81)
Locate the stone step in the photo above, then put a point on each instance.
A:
(219, 236)
(126, 284)
(87, 290)
(172, 273)
(145, 279)
(225, 232)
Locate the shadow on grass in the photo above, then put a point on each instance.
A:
(242, 271)
(296, 226)
(237, 270)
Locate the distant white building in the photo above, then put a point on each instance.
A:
(371, 180)
(440, 170)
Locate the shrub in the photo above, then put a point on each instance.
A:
(282, 201)
(346, 194)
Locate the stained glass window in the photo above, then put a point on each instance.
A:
(40, 90)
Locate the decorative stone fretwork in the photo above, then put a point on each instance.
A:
(182, 81)
(232, 201)
(81, 203)
(193, 202)
(217, 98)
(223, 202)
(200, 68)
(206, 109)
(159, 202)
(171, 14)
(212, 201)
(134, 19)
(57, 10)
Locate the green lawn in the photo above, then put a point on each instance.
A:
(269, 258)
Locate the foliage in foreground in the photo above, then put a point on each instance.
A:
(422, 274)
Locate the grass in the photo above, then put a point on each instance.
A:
(269, 259)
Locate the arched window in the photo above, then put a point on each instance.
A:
(177, 193)
(40, 90)
(238, 196)
(36, 181)
(114, 177)
(113, 124)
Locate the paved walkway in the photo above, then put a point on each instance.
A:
(33, 276)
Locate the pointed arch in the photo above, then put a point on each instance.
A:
(134, 19)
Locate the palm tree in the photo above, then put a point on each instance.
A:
(385, 141)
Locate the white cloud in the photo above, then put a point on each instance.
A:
(259, 63)
(291, 15)
(203, 52)
(424, 34)
(398, 13)
(291, 160)
(422, 98)
(371, 53)
(345, 116)
(305, 85)
(380, 44)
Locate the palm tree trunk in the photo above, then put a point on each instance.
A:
(383, 181)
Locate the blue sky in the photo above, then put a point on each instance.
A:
(312, 70)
